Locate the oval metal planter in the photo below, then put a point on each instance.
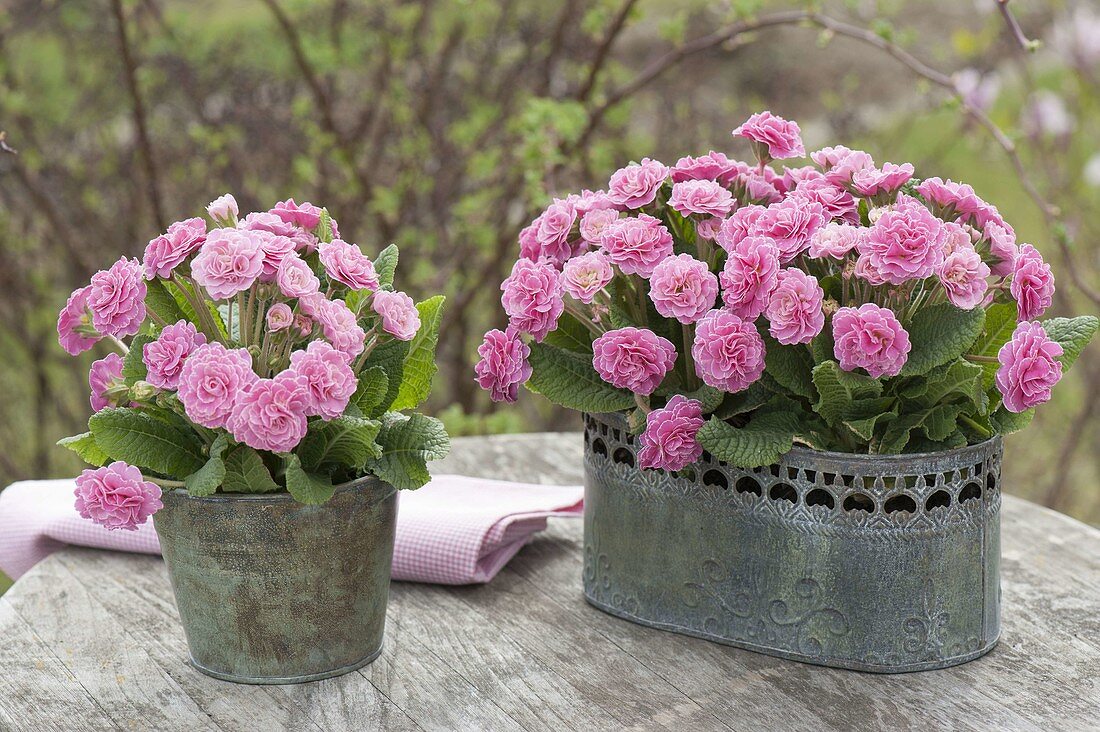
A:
(868, 562)
(272, 591)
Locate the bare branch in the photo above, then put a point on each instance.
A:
(602, 51)
(1014, 29)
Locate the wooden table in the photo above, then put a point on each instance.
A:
(91, 640)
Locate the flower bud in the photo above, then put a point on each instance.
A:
(142, 391)
(829, 307)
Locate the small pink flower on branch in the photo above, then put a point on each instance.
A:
(1030, 367)
(669, 441)
(636, 359)
(584, 276)
(702, 197)
(637, 245)
(1032, 283)
(116, 298)
(871, 338)
(749, 276)
(271, 413)
(532, 298)
(165, 356)
(794, 310)
(400, 318)
(773, 138)
(223, 210)
(116, 496)
(329, 380)
(74, 323)
(303, 215)
(230, 261)
(637, 184)
(683, 288)
(503, 366)
(728, 351)
(210, 380)
(279, 317)
(347, 264)
(295, 278)
(105, 374)
(169, 250)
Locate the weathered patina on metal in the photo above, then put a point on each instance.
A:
(885, 563)
(273, 591)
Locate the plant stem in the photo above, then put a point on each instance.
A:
(980, 359)
(643, 403)
(975, 426)
(119, 345)
(164, 482)
(691, 380)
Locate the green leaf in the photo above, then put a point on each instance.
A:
(205, 480)
(385, 264)
(708, 396)
(791, 366)
(1072, 334)
(940, 334)
(420, 366)
(408, 443)
(147, 442)
(133, 366)
(390, 357)
(568, 379)
(306, 487)
(372, 389)
(245, 472)
(863, 415)
(85, 446)
(1000, 322)
(822, 346)
(324, 230)
(162, 303)
(743, 401)
(344, 441)
(620, 311)
(571, 335)
(1005, 422)
(960, 378)
(837, 389)
(937, 423)
(761, 442)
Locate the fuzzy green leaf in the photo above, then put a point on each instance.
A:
(1072, 334)
(837, 389)
(205, 480)
(761, 442)
(571, 335)
(708, 396)
(245, 472)
(568, 379)
(306, 487)
(408, 443)
(420, 366)
(85, 446)
(940, 334)
(345, 441)
(372, 389)
(960, 378)
(147, 442)
(791, 366)
(1000, 322)
(743, 401)
(133, 365)
(1005, 422)
(390, 357)
(937, 423)
(385, 264)
(822, 346)
(161, 302)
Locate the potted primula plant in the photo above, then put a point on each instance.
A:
(257, 408)
(795, 385)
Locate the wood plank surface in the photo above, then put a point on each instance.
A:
(90, 640)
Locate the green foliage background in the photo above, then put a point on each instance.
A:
(445, 127)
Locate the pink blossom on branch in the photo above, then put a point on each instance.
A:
(347, 264)
(633, 358)
(584, 276)
(338, 323)
(738, 226)
(1002, 248)
(683, 288)
(773, 138)
(1032, 283)
(749, 276)
(169, 250)
(223, 210)
(790, 224)
(304, 215)
(835, 240)
(165, 356)
(702, 197)
(794, 310)
(963, 275)
(271, 413)
(400, 318)
(329, 380)
(210, 380)
(875, 182)
(712, 166)
(230, 261)
(295, 278)
(275, 249)
(279, 317)
(73, 316)
(728, 351)
(503, 366)
(637, 245)
(906, 242)
(532, 298)
(840, 164)
(116, 298)
(637, 184)
(104, 374)
(116, 496)
(1029, 367)
(838, 203)
(669, 441)
(871, 338)
(595, 223)
(304, 241)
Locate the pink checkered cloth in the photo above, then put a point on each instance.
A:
(454, 531)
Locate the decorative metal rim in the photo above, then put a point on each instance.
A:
(267, 680)
(283, 496)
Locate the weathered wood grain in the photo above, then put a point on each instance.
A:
(90, 640)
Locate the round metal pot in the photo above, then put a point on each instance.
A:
(272, 591)
(884, 563)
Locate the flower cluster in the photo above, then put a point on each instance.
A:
(248, 337)
(740, 291)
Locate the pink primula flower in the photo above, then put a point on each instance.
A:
(304, 241)
(633, 358)
(73, 316)
(712, 166)
(881, 182)
(870, 337)
(1032, 283)
(790, 224)
(838, 203)
(230, 261)
(794, 310)
(165, 356)
(210, 380)
(304, 215)
(275, 249)
(1002, 248)
(906, 243)
(347, 264)
(167, 251)
(963, 275)
(834, 240)
(338, 323)
(329, 379)
(584, 276)
(296, 279)
(703, 197)
(773, 138)
(728, 351)
(749, 276)
(271, 413)
(951, 200)
(637, 245)
(683, 288)
(104, 374)
(1030, 367)
(595, 223)
(840, 164)
(116, 496)
(400, 318)
(532, 298)
(708, 228)
(553, 232)
(116, 298)
(738, 226)
(279, 317)
(669, 441)
(223, 210)
(503, 366)
(637, 184)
